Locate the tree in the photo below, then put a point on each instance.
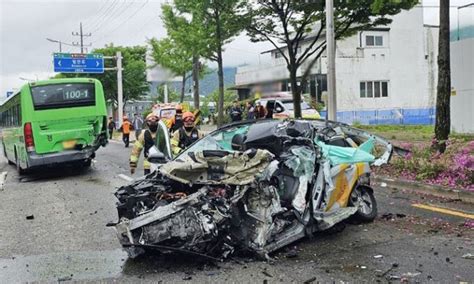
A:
(173, 56)
(134, 74)
(173, 96)
(189, 34)
(295, 29)
(443, 115)
(219, 21)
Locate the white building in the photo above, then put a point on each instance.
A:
(383, 75)
(462, 82)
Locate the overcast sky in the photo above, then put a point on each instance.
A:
(25, 25)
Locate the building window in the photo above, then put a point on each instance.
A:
(374, 89)
(371, 40)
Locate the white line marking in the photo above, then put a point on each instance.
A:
(3, 178)
(125, 177)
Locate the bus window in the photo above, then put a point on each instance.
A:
(63, 95)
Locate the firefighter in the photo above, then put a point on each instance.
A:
(126, 128)
(177, 122)
(186, 135)
(145, 141)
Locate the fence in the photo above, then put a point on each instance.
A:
(421, 116)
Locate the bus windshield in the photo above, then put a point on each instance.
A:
(63, 95)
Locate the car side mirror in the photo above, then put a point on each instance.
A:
(155, 156)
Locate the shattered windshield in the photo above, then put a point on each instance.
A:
(220, 140)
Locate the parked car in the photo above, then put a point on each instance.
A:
(282, 107)
(251, 186)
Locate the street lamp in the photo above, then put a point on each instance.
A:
(53, 40)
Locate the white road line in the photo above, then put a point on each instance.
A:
(3, 178)
(125, 177)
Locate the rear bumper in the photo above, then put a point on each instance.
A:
(36, 160)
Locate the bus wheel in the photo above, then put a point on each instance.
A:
(20, 170)
(87, 163)
(5, 155)
(18, 167)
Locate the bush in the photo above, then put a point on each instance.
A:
(453, 168)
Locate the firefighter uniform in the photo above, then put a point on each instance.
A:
(186, 135)
(144, 142)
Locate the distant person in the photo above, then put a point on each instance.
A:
(144, 142)
(126, 128)
(235, 112)
(137, 125)
(250, 111)
(111, 127)
(260, 112)
(177, 122)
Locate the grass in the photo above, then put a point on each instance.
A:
(408, 132)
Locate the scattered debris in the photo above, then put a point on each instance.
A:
(310, 280)
(3, 177)
(383, 184)
(265, 272)
(30, 217)
(410, 274)
(187, 277)
(378, 256)
(65, 278)
(468, 256)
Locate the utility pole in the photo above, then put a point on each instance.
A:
(331, 113)
(119, 87)
(81, 35)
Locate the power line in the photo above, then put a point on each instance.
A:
(105, 16)
(109, 19)
(124, 22)
(97, 15)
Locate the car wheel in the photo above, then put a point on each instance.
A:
(363, 197)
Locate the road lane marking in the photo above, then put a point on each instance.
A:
(125, 177)
(444, 211)
(3, 178)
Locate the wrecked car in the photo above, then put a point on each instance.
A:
(251, 187)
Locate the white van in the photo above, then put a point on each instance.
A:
(281, 108)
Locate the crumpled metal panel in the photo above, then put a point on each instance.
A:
(232, 169)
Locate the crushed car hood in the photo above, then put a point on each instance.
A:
(218, 167)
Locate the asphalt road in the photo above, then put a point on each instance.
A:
(53, 229)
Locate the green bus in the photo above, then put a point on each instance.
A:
(53, 122)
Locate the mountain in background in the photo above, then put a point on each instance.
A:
(207, 85)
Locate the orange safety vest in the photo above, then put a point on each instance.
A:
(126, 127)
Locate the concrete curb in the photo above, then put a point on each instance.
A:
(436, 190)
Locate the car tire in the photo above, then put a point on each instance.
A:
(368, 208)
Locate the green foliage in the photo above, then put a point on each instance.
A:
(173, 96)
(171, 55)
(289, 23)
(134, 74)
(229, 97)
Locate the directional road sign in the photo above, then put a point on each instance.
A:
(78, 63)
